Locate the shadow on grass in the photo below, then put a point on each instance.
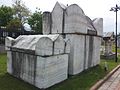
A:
(8, 82)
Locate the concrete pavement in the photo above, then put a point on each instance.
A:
(113, 83)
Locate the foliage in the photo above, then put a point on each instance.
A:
(82, 81)
(6, 14)
(21, 11)
(14, 17)
(14, 24)
(35, 21)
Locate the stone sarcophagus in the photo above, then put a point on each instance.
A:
(83, 33)
(40, 60)
(70, 44)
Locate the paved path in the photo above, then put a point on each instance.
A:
(113, 83)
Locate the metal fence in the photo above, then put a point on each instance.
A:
(14, 34)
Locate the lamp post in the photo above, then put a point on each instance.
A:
(115, 9)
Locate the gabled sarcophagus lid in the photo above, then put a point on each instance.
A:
(43, 45)
(70, 20)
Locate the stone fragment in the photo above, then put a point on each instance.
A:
(9, 42)
(58, 18)
(98, 24)
(46, 23)
(75, 20)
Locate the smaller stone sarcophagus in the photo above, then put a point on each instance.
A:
(41, 60)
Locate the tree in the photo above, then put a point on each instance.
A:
(21, 12)
(6, 15)
(35, 21)
(14, 24)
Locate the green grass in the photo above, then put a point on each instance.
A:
(113, 49)
(82, 81)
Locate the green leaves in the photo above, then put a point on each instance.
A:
(16, 16)
(6, 14)
(35, 21)
(14, 24)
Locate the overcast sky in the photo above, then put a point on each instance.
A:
(92, 8)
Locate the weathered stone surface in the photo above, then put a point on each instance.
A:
(42, 60)
(67, 45)
(76, 56)
(84, 52)
(84, 35)
(96, 51)
(108, 41)
(93, 51)
(27, 42)
(9, 42)
(75, 20)
(87, 46)
(70, 19)
(38, 59)
(90, 25)
(98, 24)
(50, 46)
(46, 23)
(9, 62)
(44, 45)
(51, 70)
(58, 18)
(42, 72)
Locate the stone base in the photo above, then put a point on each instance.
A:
(84, 52)
(110, 56)
(41, 72)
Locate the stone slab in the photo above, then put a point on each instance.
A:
(9, 62)
(96, 50)
(55, 69)
(47, 47)
(58, 18)
(84, 52)
(76, 55)
(44, 45)
(75, 21)
(42, 72)
(98, 24)
(46, 23)
(9, 42)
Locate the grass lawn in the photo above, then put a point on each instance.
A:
(113, 49)
(82, 81)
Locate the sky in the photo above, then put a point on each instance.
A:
(92, 8)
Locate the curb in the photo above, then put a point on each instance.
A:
(100, 82)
